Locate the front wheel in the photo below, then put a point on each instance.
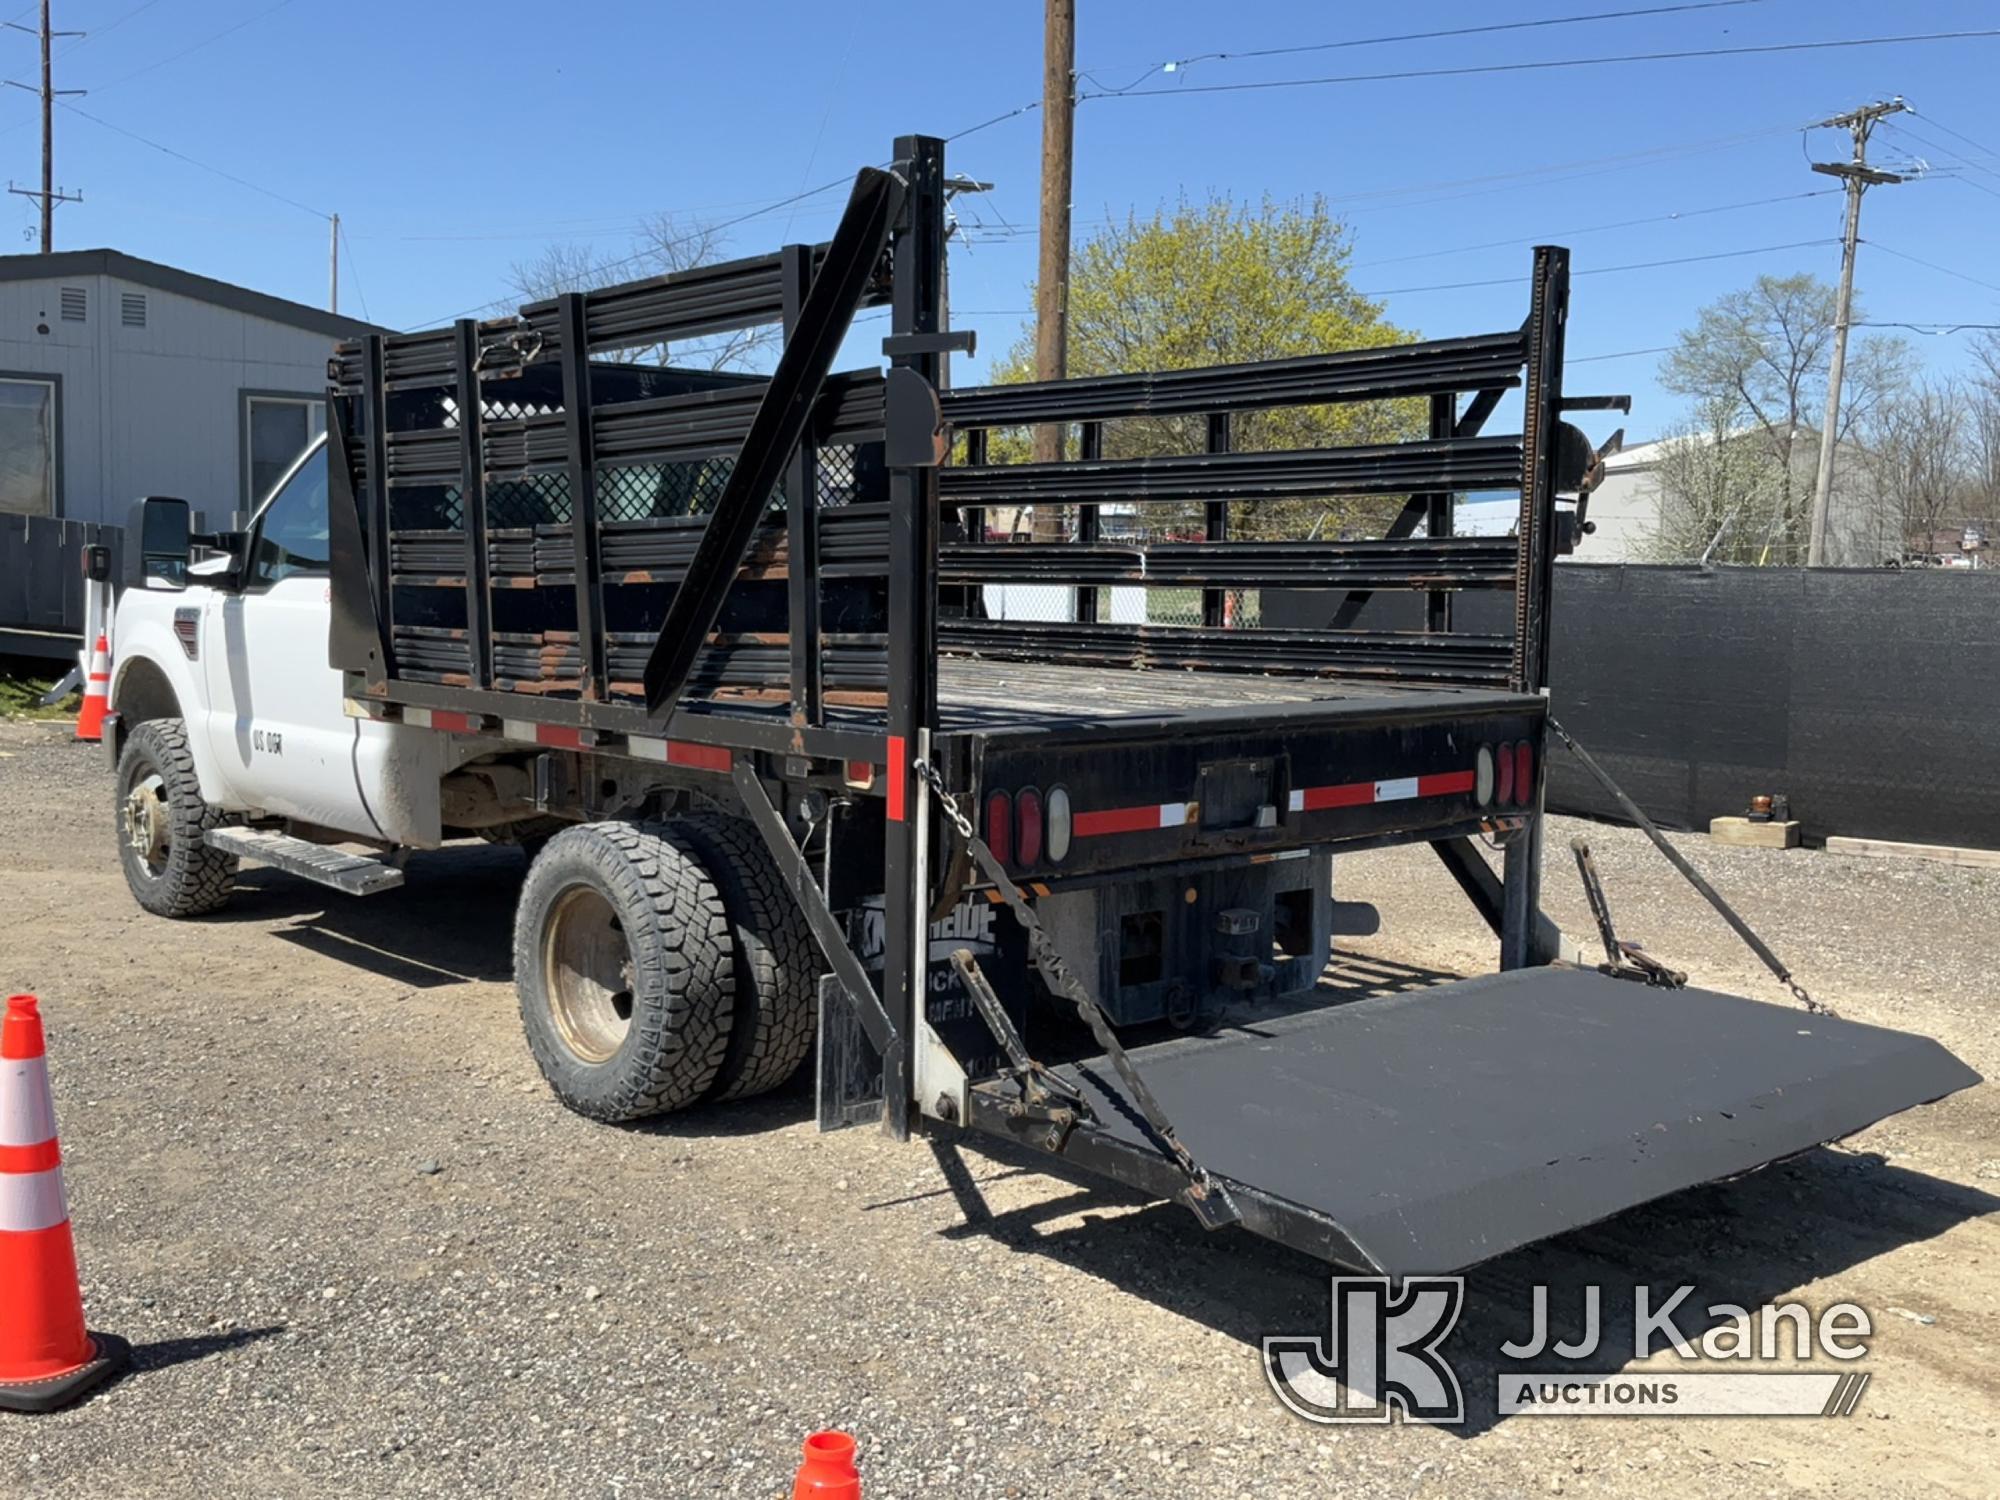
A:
(161, 824)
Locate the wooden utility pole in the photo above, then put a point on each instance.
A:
(333, 264)
(1859, 177)
(1058, 143)
(48, 195)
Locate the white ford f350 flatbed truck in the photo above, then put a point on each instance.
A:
(713, 649)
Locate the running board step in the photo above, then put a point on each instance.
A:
(353, 874)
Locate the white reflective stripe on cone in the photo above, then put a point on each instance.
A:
(32, 1200)
(27, 1115)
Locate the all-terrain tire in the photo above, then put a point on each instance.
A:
(776, 978)
(159, 802)
(620, 922)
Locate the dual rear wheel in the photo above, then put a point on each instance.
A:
(661, 964)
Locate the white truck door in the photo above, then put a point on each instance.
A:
(277, 726)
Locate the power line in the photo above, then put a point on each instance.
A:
(1933, 330)
(1951, 152)
(1560, 234)
(198, 46)
(1637, 265)
(195, 162)
(1931, 265)
(353, 271)
(654, 249)
(1543, 64)
(1591, 359)
(1954, 134)
(1176, 64)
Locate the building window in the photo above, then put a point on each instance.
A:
(276, 430)
(27, 446)
(75, 300)
(132, 309)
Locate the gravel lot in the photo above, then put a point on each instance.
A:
(362, 1252)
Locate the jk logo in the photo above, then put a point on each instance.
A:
(1379, 1354)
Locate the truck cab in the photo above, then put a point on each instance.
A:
(225, 656)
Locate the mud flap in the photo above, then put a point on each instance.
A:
(1428, 1131)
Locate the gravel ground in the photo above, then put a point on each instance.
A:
(318, 1183)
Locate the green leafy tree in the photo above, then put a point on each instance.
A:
(1220, 282)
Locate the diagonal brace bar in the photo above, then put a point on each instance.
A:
(848, 971)
(810, 348)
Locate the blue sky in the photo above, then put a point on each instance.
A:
(455, 138)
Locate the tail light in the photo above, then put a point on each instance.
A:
(1028, 826)
(1524, 773)
(1482, 776)
(1000, 826)
(1504, 792)
(1060, 825)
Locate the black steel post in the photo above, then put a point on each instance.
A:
(1437, 512)
(1534, 581)
(802, 522)
(974, 516)
(1089, 522)
(582, 458)
(472, 504)
(375, 397)
(919, 248)
(1215, 602)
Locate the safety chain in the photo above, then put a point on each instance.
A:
(1779, 969)
(1203, 1194)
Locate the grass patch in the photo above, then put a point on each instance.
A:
(21, 691)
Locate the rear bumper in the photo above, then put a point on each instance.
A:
(1317, 776)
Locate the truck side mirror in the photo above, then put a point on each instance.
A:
(157, 542)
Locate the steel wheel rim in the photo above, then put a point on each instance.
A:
(147, 822)
(587, 973)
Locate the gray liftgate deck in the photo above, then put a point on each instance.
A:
(1428, 1131)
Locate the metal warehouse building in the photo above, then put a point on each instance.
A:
(121, 377)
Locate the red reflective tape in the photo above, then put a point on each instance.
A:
(1445, 784)
(1116, 820)
(899, 774)
(445, 719)
(30, 1158)
(559, 735)
(698, 757)
(1349, 794)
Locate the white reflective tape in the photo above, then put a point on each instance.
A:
(1297, 803)
(1399, 790)
(518, 729)
(646, 749)
(1173, 814)
(419, 717)
(32, 1200)
(27, 1116)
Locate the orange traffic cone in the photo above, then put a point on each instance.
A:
(828, 1472)
(46, 1358)
(96, 693)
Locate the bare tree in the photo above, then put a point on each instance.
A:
(1918, 451)
(665, 243)
(1983, 430)
(1722, 492)
(1761, 355)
